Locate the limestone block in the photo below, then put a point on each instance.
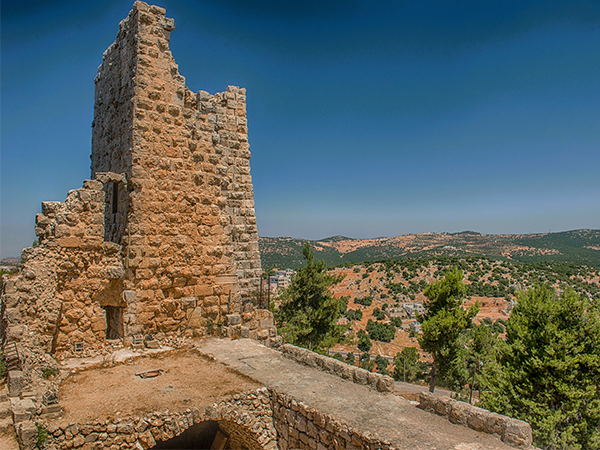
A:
(517, 433)
(234, 319)
(244, 332)
(360, 376)
(478, 419)
(443, 405)
(78, 441)
(267, 322)
(11, 300)
(15, 383)
(195, 319)
(51, 208)
(427, 401)
(188, 302)
(93, 185)
(22, 410)
(496, 424)
(9, 285)
(5, 410)
(263, 334)
(27, 435)
(459, 413)
(151, 343)
(385, 384)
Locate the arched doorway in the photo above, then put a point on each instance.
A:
(212, 434)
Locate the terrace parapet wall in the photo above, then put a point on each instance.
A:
(514, 432)
(382, 383)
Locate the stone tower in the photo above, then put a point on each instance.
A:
(185, 215)
(162, 242)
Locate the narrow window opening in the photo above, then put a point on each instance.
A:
(114, 322)
(115, 198)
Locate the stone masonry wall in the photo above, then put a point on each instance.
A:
(260, 419)
(187, 223)
(382, 383)
(246, 418)
(57, 298)
(513, 432)
(301, 427)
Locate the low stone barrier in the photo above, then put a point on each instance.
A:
(380, 382)
(513, 432)
(301, 427)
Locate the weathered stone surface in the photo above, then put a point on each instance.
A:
(23, 409)
(517, 433)
(358, 375)
(27, 435)
(15, 383)
(512, 431)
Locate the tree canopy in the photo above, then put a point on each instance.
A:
(309, 313)
(443, 322)
(407, 365)
(550, 369)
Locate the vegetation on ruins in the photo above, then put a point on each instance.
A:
(2, 366)
(443, 322)
(549, 369)
(42, 435)
(308, 313)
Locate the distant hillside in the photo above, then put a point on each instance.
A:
(577, 247)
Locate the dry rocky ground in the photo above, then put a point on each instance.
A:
(375, 280)
(111, 392)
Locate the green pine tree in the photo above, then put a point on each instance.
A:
(308, 313)
(407, 365)
(442, 324)
(550, 369)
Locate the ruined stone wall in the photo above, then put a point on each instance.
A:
(260, 419)
(245, 418)
(187, 222)
(58, 298)
(301, 427)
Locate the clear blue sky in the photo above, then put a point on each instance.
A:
(366, 118)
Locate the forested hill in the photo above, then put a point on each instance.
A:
(577, 247)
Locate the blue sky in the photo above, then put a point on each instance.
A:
(366, 119)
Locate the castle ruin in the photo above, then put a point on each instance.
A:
(162, 242)
(159, 246)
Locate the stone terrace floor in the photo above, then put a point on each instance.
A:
(387, 415)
